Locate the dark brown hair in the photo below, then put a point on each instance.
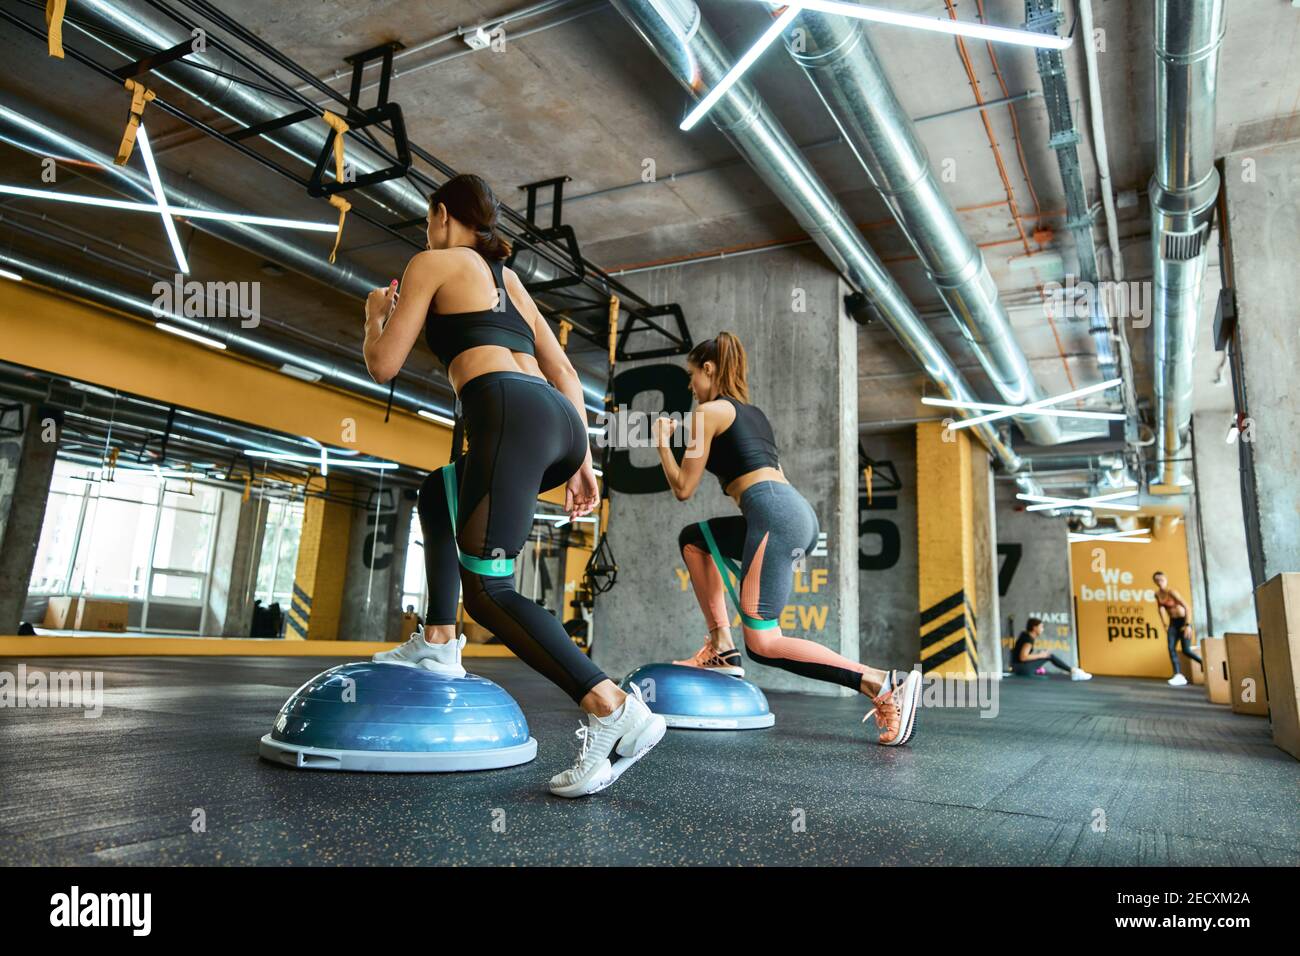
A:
(1032, 623)
(471, 202)
(728, 356)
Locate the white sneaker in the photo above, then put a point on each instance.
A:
(442, 659)
(1078, 673)
(1178, 680)
(628, 734)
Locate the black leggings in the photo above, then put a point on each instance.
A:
(1176, 637)
(524, 438)
(1026, 668)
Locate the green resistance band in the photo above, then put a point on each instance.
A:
(487, 567)
(725, 565)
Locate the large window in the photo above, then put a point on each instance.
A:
(137, 537)
(275, 572)
(414, 587)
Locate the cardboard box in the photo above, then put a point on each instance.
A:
(1246, 689)
(1215, 654)
(1278, 603)
(61, 613)
(93, 615)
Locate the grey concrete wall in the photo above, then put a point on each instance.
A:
(1218, 520)
(985, 518)
(26, 467)
(1039, 583)
(1263, 200)
(890, 632)
(803, 374)
(372, 590)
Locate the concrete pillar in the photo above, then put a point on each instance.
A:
(1217, 530)
(314, 611)
(235, 569)
(1034, 576)
(26, 468)
(372, 591)
(1263, 203)
(889, 635)
(945, 533)
(787, 309)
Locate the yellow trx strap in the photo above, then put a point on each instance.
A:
(338, 202)
(54, 10)
(564, 334)
(866, 473)
(613, 326)
(141, 97)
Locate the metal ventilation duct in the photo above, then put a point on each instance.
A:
(677, 33)
(836, 54)
(1183, 191)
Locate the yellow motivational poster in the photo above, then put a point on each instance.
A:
(1120, 630)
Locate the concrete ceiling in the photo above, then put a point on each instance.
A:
(585, 98)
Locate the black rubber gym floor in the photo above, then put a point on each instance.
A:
(1114, 772)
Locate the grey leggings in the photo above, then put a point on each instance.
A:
(778, 519)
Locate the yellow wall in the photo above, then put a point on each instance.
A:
(87, 342)
(1121, 634)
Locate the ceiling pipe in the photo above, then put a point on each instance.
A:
(1099, 147)
(835, 53)
(216, 86)
(36, 131)
(1183, 192)
(676, 32)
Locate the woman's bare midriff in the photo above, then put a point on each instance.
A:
(748, 480)
(482, 359)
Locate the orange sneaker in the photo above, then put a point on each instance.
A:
(895, 708)
(720, 662)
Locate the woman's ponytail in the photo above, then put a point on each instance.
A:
(470, 201)
(728, 357)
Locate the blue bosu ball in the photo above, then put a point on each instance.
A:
(694, 698)
(398, 717)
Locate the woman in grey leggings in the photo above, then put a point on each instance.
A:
(770, 538)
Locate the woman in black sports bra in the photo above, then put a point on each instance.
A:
(525, 426)
(762, 546)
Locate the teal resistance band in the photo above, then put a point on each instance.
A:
(487, 567)
(725, 565)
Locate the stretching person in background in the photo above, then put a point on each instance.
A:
(775, 530)
(1025, 661)
(1173, 612)
(525, 424)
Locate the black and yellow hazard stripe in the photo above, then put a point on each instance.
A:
(947, 633)
(299, 616)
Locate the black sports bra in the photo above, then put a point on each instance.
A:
(450, 334)
(747, 445)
